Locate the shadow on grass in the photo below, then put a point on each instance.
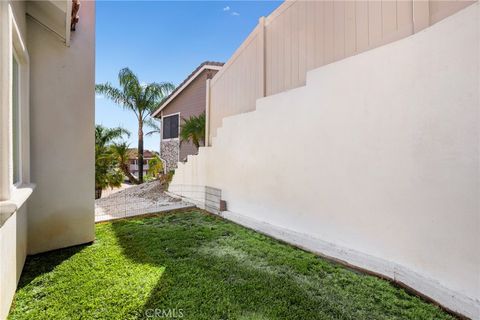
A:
(39, 264)
(218, 270)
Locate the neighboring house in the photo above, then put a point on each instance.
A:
(189, 99)
(47, 81)
(133, 161)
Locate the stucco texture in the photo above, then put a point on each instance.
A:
(13, 250)
(62, 82)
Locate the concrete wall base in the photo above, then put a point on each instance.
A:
(427, 288)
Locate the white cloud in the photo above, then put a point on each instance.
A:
(98, 96)
(232, 13)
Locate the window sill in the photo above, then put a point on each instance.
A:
(17, 198)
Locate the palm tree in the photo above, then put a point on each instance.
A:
(155, 167)
(193, 129)
(104, 136)
(141, 99)
(106, 168)
(121, 153)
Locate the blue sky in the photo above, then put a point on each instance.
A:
(165, 41)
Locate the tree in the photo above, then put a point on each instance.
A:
(105, 136)
(155, 167)
(142, 100)
(121, 153)
(107, 173)
(193, 130)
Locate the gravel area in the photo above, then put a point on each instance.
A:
(109, 191)
(136, 200)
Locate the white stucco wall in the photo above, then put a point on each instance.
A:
(57, 119)
(374, 162)
(13, 250)
(62, 80)
(13, 208)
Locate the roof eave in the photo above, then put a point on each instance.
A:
(164, 104)
(54, 15)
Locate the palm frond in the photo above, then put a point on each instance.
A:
(153, 125)
(193, 130)
(129, 80)
(114, 94)
(105, 136)
(131, 87)
(121, 151)
(107, 173)
(154, 93)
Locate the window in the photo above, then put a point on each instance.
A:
(170, 127)
(15, 124)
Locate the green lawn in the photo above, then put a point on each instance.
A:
(201, 267)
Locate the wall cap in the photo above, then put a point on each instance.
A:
(19, 196)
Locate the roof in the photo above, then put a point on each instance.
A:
(212, 65)
(132, 153)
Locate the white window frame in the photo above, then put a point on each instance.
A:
(12, 44)
(18, 183)
(161, 131)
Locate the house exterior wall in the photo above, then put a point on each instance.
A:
(13, 205)
(13, 250)
(169, 153)
(62, 82)
(190, 102)
(389, 180)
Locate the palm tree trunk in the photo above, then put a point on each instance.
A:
(130, 176)
(140, 150)
(98, 193)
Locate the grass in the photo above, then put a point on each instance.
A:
(198, 266)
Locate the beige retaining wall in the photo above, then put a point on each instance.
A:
(303, 35)
(375, 161)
